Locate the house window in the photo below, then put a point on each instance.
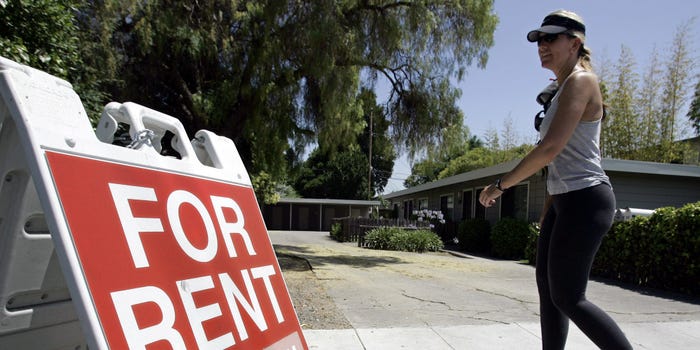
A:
(423, 203)
(447, 206)
(514, 202)
(467, 203)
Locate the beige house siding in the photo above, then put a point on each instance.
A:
(653, 191)
(644, 185)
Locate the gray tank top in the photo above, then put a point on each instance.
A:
(578, 165)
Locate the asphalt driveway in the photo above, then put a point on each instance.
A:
(377, 289)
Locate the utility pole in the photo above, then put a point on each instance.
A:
(369, 177)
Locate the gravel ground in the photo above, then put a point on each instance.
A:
(315, 309)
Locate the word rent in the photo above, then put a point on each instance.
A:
(254, 293)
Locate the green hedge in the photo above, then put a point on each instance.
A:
(337, 231)
(660, 251)
(509, 238)
(531, 245)
(392, 238)
(474, 236)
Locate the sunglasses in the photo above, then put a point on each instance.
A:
(548, 38)
(539, 117)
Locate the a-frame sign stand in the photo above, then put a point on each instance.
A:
(107, 245)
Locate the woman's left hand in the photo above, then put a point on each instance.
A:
(488, 195)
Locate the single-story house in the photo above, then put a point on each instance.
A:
(642, 185)
(310, 214)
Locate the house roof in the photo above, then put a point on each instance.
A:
(611, 165)
(639, 167)
(327, 201)
(463, 177)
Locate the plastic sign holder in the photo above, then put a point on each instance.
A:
(118, 246)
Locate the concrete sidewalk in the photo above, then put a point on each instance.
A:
(399, 300)
(656, 335)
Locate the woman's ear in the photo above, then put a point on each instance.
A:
(576, 45)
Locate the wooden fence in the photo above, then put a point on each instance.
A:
(354, 229)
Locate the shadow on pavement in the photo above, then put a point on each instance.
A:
(653, 292)
(314, 259)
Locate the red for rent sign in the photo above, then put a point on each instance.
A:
(174, 261)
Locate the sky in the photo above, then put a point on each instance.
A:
(506, 88)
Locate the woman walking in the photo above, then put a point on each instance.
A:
(580, 204)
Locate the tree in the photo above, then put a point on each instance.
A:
(423, 172)
(676, 81)
(267, 73)
(340, 175)
(694, 111)
(484, 157)
(45, 34)
(375, 142)
(649, 112)
(265, 189)
(438, 156)
(675, 85)
(642, 123)
(40, 34)
(465, 153)
(345, 173)
(509, 135)
(498, 148)
(619, 135)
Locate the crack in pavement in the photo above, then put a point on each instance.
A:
(450, 308)
(504, 296)
(427, 300)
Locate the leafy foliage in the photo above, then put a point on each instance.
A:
(47, 35)
(380, 238)
(620, 134)
(391, 238)
(336, 231)
(694, 111)
(642, 122)
(438, 156)
(339, 175)
(531, 247)
(267, 73)
(265, 188)
(661, 251)
(345, 173)
(481, 158)
(40, 34)
(474, 235)
(509, 238)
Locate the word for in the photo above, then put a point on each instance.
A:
(135, 226)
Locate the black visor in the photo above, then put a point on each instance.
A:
(555, 24)
(555, 20)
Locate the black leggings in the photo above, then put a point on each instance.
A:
(569, 239)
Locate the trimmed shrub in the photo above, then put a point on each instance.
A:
(405, 240)
(474, 235)
(509, 238)
(379, 238)
(531, 246)
(337, 231)
(660, 251)
(686, 247)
